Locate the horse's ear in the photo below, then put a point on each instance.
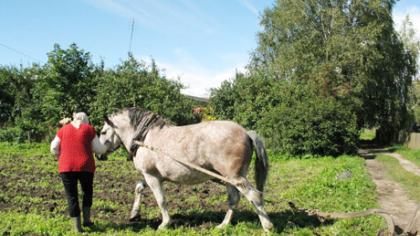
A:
(109, 122)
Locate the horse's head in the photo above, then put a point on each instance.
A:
(126, 126)
(109, 138)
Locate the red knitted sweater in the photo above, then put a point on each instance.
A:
(76, 148)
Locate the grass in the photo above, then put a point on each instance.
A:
(32, 199)
(367, 134)
(410, 154)
(410, 182)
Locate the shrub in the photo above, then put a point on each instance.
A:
(306, 123)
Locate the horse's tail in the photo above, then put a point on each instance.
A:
(261, 163)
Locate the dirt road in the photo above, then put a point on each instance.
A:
(393, 198)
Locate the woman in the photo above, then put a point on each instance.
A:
(73, 146)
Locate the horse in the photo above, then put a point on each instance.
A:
(162, 151)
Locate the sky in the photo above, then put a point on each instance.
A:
(200, 42)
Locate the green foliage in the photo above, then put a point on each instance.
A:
(293, 117)
(7, 98)
(322, 71)
(350, 49)
(242, 99)
(23, 117)
(133, 84)
(35, 98)
(11, 134)
(367, 134)
(305, 123)
(68, 83)
(417, 103)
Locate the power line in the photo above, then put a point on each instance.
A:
(19, 52)
(131, 37)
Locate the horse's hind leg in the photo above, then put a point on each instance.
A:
(155, 185)
(233, 199)
(138, 193)
(256, 198)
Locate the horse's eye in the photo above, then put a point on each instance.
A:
(103, 132)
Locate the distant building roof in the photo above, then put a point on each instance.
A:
(198, 99)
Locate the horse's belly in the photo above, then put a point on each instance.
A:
(179, 173)
(167, 168)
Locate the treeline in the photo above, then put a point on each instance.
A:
(35, 98)
(323, 70)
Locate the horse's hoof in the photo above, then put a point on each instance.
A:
(134, 218)
(268, 226)
(163, 225)
(221, 226)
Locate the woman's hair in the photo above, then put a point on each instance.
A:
(81, 117)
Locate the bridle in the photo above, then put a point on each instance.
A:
(132, 150)
(108, 142)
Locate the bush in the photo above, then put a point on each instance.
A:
(306, 123)
(10, 134)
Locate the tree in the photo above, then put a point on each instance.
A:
(242, 99)
(7, 98)
(34, 99)
(412, 46)
(349, 49)
(134, 84)
(24, 122)
(323, 69)
(408, 37)
(68, 83)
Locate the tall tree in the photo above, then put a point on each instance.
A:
(412, 45)
(349, 49)
(68, 83)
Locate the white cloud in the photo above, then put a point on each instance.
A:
(199, 82)
(198, 79)
(414, 14)
(248, 5)
(158, 16)
(126, 10)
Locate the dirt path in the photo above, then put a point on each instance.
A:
(392, 197)
(406, 164)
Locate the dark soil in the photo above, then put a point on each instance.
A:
(26, 188)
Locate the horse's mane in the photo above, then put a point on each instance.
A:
(143, 121)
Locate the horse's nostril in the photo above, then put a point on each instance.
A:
(102, 157)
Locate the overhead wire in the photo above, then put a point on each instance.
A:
(20, 52)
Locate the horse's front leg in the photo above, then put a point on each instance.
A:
(138, 193)
(155, 185)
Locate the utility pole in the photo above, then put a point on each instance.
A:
(131, 38)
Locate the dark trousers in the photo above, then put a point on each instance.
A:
(70, 186)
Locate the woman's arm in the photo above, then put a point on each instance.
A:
(55, 146)
(97, 146)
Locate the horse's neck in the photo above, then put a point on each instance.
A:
(126, 136)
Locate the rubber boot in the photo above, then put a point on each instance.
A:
(86, 217)
(77, 224)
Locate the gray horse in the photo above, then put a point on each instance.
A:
(222, 147)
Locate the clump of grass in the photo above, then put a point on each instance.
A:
(24, 149)
(410, 154)
(367, 134)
